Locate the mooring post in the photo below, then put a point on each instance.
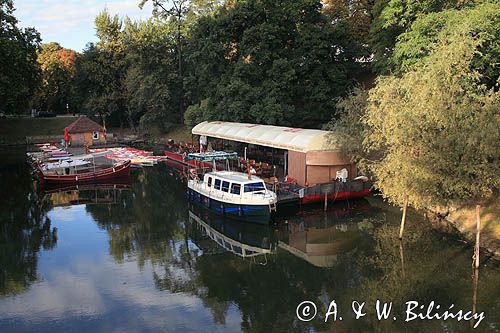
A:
(478, 233)
(403, 218)
(402, 257)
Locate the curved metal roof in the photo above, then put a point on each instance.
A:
(296, 139)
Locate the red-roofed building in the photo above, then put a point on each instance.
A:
(86, 131)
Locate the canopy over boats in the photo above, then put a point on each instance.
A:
(69, 163)
(211, 156)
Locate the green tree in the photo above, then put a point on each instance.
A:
(393, 17)
(421, 39)
(437, 126)
(269, 62)
(101, 71)
(151, 85)
(58, 70)
(19, 71)
(356, 15)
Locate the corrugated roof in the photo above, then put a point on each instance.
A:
(296, 139)
(83, 125)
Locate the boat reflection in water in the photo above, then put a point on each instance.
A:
(313, 235)
(216, 234)
(321, 237)
(105, 192)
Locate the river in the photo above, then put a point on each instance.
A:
(135, 257)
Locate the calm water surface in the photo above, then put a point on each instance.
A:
(136, 257)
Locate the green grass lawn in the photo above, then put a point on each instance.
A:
(15, 130)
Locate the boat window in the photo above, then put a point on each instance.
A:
(235, 188)
(254, 187)
(217, 184)
(225, 186)
(209, 181)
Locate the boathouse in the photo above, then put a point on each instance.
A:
(310, 156)
(85, 131)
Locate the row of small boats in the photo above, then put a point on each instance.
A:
(237, 195)
(55, 166)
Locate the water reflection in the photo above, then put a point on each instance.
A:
(85, 194)
(245, 240)
(142, 252)
(25, 228)
(319, 237)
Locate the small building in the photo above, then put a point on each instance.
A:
(309, 156)
(85, 131)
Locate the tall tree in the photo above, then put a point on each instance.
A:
(176, 11)
(484, 20)
(274, 62)
(19, 71)
(151, 88)
(58, 70)
(393, 17)
(357, 15)
(101, 70)
(437, 125)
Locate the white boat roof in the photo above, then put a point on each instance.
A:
(234, 176)
(296, 139)
(65, 164)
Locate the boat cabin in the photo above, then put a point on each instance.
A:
(234, 183)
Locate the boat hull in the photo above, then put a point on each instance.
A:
(179, 158)
(260, 214)
(319, 198)
(120, 170)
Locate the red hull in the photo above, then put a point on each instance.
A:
(120, 170)
(310, 199)
(191, 163)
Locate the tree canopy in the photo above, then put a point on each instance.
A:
(58, 70)
(273, 62)
(431, 133)
(19, 71)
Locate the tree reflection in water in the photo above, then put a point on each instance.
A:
(351, 252)
(25, 228)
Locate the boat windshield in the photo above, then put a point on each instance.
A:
(254, 187)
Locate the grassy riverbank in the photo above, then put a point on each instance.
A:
(15, 130)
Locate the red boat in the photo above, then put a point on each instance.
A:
(85, 176)
(181, 158)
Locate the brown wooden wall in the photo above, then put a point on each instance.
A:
(297, 166)
(78, 139)
(326, 158)
(317, 167)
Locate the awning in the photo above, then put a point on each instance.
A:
(296, 139)
(211, 156)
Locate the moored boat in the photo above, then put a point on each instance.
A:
(75, 176)
(234, 194)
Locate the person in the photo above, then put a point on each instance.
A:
(252, 170)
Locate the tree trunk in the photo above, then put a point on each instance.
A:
(403, 218)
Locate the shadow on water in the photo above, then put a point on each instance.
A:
(351, 252)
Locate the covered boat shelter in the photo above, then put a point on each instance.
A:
(310, 156)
